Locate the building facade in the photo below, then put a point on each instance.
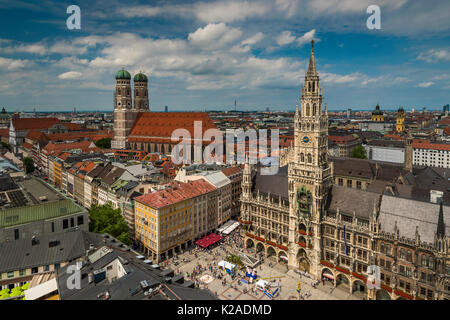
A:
(333, 231)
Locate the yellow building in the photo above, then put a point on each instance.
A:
(377, 114)
(400, 127)
(164, 219)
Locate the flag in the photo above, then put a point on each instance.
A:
(345, 242)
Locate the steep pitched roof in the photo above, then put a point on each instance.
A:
(162, 124)
(33, 123)
(176, 192)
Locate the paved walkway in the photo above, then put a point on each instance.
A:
(276, 272)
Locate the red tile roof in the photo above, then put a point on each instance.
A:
(84, 146)
(33, 123)
(162, 124)
(425, 144)
(176, 192)
(231, 171)
(342, 139)
(4, 132)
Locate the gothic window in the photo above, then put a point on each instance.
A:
(304, 201)
(308, 110)
(314, 109)
(309, 86)
(309, 158)
(402, 253)
(128, 91)
(137, 93)
(409, 256)
(302, 157)
(118, 91)
(313, 87)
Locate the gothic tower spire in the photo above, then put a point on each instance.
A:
(312, 62)
(441, 224)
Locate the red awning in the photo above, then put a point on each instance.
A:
(208, 240)
(329, 276)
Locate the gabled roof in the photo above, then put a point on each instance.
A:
(21, 254)
(176, 192)
(33, 123)
(349, 201)
(162, 124)
(409, 213)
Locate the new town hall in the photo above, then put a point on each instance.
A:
(334, 217)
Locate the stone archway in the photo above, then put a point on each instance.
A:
(271, 252)
(359, 288)
(259, 247)
(302, 227)
(342, 281)
(250, 243)
(282, 257)
(303, 261)
(382, 295)
(327, 275)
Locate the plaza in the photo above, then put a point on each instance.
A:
(195, 264)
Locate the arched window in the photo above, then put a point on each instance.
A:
(302, 157)
(119, 91)
(314, 87)
(308, 111)
(309, 86)
(430, 263)
(409, 256)
(309, 158)
(402, 253)
(314, 109)
(424, 260)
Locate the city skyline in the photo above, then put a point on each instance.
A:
(208, 54)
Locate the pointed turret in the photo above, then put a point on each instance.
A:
(312, 62)
(441, 224)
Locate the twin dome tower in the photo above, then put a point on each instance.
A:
(125, 111)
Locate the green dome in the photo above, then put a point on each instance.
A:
(140, 77)
(123, 74)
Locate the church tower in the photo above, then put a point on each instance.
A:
(124, 115)
(309, 174)
(141, 92)
(400, 121)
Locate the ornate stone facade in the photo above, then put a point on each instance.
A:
(336, 232)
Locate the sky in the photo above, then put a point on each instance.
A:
(204, 55)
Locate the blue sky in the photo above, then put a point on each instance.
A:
(206, 54)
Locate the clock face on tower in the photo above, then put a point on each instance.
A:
(305, 139)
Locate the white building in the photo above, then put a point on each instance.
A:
(430, 154)
(386, 150)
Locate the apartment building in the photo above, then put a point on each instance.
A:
(167, 221)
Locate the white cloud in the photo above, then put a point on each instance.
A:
(70, 75)
(425, 84)
(11, 64)
(229, 11)
(214, 36)
(307, 37)
(285, 38)
(435, 55)
(253, 39)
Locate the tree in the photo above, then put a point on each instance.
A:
(6, 145)
(104, 143)
(106, 219)
(359, 152)
(29, 164)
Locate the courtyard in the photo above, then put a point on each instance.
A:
(200, 266)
